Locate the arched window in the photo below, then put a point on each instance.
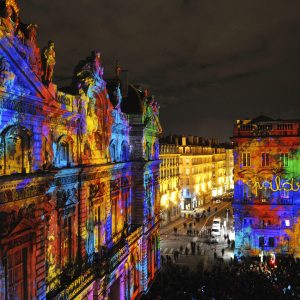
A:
(124, 152)
(15, 152)
(64, 148)
(112, 152)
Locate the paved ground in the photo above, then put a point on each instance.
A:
(205, 256)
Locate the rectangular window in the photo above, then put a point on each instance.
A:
(97, 228)
(67, 233)
(187, 171)
(284, 159)
(246, 159)
(271, 242)
(187, 181)
(16, 277)
(261, 241)
(265, 159)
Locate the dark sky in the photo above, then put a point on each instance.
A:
(209, 62)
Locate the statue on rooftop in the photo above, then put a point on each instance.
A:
(9, 21)
(49, 62)
(34, 56)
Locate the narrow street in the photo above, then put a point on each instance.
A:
(204, 254)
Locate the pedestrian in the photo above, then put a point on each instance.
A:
(228, 242)
(223, 252)
(181, 249)
(198, 249)
(225, 237)
(186, 250)
(215, 254)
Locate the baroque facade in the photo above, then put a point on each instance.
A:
(266, 186)
(79, 176)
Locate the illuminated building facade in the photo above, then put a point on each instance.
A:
(229, 165)
(266, 186)
(205, 169)
(218, 171)
(195, 171)
(169, 181)
(79, 176)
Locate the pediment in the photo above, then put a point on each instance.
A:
(23, 225)
(16, 74)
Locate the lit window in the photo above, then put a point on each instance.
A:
(265, 159)
(246, 159)
(284, 159)
(287, 223)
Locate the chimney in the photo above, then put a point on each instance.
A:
(183, 139)
(176, 140)
(124, 83)
(190, 139)
(196, 140)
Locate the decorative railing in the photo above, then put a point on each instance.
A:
(72, 280)
(76, 278)
(134, 236)
(255, 201)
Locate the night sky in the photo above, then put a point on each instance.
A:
(208, 62)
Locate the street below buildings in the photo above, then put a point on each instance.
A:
(177, 244)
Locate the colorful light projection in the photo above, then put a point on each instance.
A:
(267, 195)
(72, 183)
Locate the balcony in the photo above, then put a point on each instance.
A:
(76, 277)
(262, 201)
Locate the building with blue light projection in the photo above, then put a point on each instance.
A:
(79, 169)
(267, 186)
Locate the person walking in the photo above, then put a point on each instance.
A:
(228, 242)
(223, 250)
(186, 250)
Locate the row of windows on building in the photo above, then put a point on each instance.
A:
(263, 223)
(17, 151)
(197, 160)
(265, 159)
(267, 127)
(168, 172)
(187, 181)
(197, 170)
(195, 150)
(169, 162)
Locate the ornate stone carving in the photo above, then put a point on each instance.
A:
(67, 198)
(96, 189)
(7, 77)
(89, 79)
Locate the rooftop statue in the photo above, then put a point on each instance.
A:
(90, 76)
(49, 62)
(34, 50)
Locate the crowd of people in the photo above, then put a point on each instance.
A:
(246, 279)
